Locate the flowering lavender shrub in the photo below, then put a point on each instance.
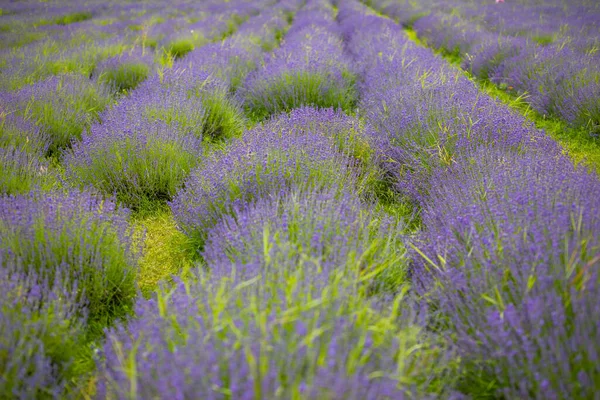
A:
(281, 154)
(222, 116)
(234, 58)
(41, 327)
(84, 239)
(142, 162)
(429, 113)
(309, 69)
(62, 107)
(511, 247)
(22, 171)
(322, 230)
(292, 333)
(558, 78)
(124, 72)
(154, 100)
(17, 133)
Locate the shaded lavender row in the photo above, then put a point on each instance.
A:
(559, 79)
(510, 247)
(310, 68)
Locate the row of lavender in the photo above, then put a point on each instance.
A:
(69, 257)
(510, 250)
(101, 31)
(282, 312)
(559, 73)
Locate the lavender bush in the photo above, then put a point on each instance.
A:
(78, 236)
(294, 151)
(41, 328)
(299, 228)
(20, 134)
(124, 72)
(512, 244)
(142, 162)
(309, 69)
(62, 107)
(557, 77)
(22, 172)
(217, 116)
(296, 333)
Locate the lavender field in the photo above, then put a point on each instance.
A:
(300, 199)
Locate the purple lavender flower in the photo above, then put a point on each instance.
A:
(510, 249)
(310, 68)
(62, 107)
(289, 152)
(41, 327)
(126, 71)
(22, 172)
(84, 239)
(267, 337)
(140, 160)
(318, 230)
(17, 133)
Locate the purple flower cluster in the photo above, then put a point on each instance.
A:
(40, 327)
(234, 58)
(17, 133)
(310, 68)
(512, 242)
(560, 79)
(509, 252)
(217, 20)
(80, 237)
(22, 146)
(22, 171)
(125, 71)
(273, 335)
(299, 150)
(62, 107)
(428, 112)
(318, 231)
(139, 158)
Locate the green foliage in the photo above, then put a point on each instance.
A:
(166, 252)
(543, 40)
(293, 90)
(72, 18)
(224, 118)
(180, 47)
(125, 77)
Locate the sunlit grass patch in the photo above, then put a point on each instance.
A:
(166, 250)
